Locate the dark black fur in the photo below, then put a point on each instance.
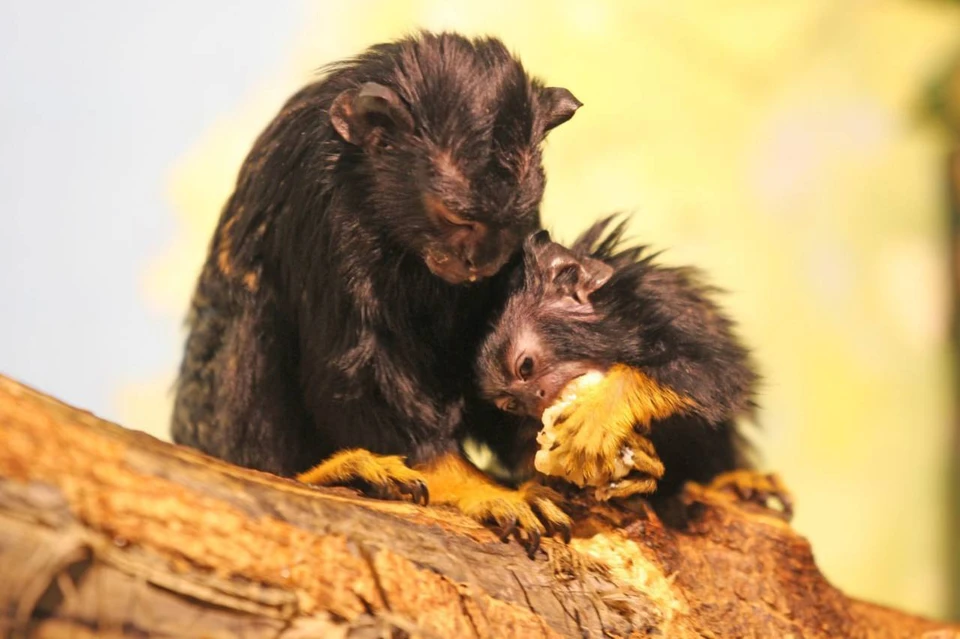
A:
(333, 310)
(570, 312)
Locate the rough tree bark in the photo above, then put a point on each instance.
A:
(108, 532)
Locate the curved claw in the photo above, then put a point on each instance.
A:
(533, 543)
(418, 491)
(548, 528)
(787, 503)
(543, 500)
(553, 526)
(509, 529)
(762, 496)
(424, 492)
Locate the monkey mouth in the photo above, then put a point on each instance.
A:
(548, 459)
(453, 270)
(567, 396)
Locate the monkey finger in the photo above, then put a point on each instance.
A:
(553, 518)
(760, 497)
(424, 492)
(744, 492)
(548, 530)
(556, 526)
(380, 491)
(409, 490)
(648, 465)
(571, 420)
(786, 503)
(642, 444)
(780, 492)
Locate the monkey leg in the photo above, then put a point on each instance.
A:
(381, 476)
(527, 513)
(601, 436)
(755, 487)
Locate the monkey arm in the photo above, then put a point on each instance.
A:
(691, 346)
(231, 402)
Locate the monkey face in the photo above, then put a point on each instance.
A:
(548, 334)
(462, 249)
(529, 377)
(451, 154)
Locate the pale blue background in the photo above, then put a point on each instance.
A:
(97, 100)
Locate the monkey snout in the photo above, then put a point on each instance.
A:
(469, 256)
(538, 399)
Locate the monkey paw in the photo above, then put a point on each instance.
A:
(756, 488)
(627, 487)
(380, 476)
(644, 468)
(592, 447)
(527, 514)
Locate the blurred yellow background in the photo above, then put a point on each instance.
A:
(775, 145)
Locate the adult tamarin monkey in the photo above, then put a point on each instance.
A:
(350, 272)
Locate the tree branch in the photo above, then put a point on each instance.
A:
(108, 532)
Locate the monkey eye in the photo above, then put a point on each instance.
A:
(525, 367)
(441, 214)
(508, 404)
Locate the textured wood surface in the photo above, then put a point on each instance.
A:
(108, 532)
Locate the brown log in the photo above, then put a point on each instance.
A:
(108, 532)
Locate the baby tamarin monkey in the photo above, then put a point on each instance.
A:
(671, 378)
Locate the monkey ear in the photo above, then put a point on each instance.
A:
(361, 115)
(536, 241)
(558, 106)
(581, 278)
(561, 273)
